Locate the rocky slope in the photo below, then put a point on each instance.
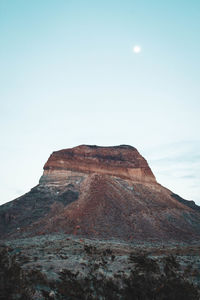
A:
(101, 192)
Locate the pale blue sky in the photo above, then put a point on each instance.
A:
(68, 76)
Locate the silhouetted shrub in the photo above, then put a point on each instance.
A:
(12, 278)
(89, 249)
(143, 262)
(171, 265)
(146, 280)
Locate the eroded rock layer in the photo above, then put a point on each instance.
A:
(101, 192)
(120, 161)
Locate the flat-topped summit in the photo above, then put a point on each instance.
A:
(122, 161)
(101, 192)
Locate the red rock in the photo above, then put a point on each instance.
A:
(102, 192)
(120, 161)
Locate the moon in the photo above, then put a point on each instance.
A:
(137, 49)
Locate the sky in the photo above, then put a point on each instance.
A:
(69, 76)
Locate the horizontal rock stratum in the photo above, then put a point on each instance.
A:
(121, 161)
(101, 192)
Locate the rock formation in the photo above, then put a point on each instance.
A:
(121, 161)
(101, 192)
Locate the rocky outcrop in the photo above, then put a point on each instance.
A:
(120, 161)
(101, 192)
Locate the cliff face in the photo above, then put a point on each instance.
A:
(102, 192)
(120, 161)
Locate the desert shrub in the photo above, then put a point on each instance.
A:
(171, 265)
(69, 287)
(147, 287)
(90, 287)
(36, 277)
(107, 251)
(146, 282)
(16, 283)
(112, 257)
(175, 289)
(12, 278)
(89, 249)
(143, 262)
